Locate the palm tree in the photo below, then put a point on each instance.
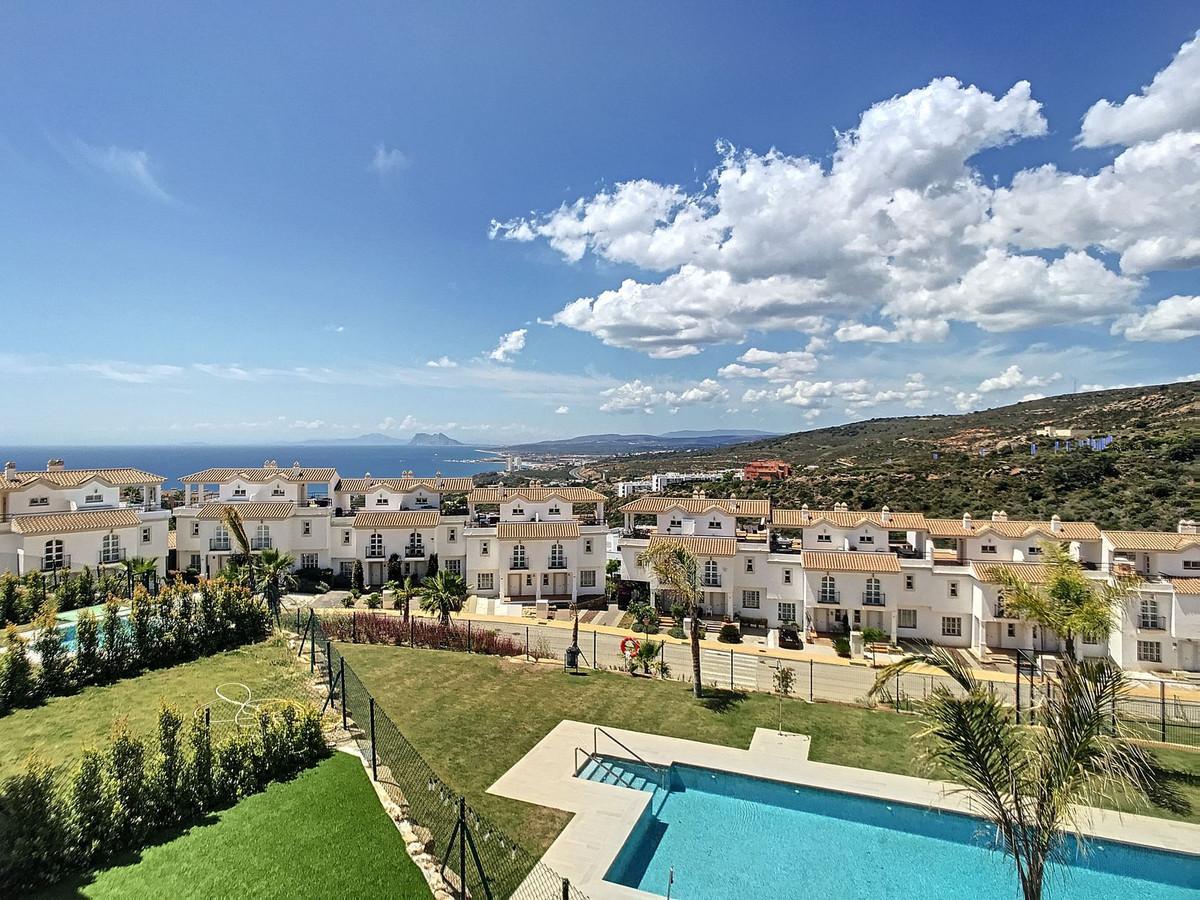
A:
(275, 567)
(145, 569)
(1032, 782)
(408, 590)
(678, 572)
(1069, 603)
(234, 525)
(443, 594)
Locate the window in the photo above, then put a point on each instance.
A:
(381, 501)
(676, 523)
(1034, 550)
(277, 492)
(485, 581)
(346, 568)
(712, 575)
(866, 539)
(1012, 629)
(53, 555)
(518, 557)
(416, 544)
(749, 564)
(987, 548)
(451, 535)
(110, 549)
(554, 511)
(239, 492)
(1191, 564)
(1149, 651)
(558, 556)
(262, 537)
(39, 501)
(1148, 616)
(518, 511)
(345, 537)
(145, 535)
(454, 565)
(829, 592)
(545, 579)
(306, 528)
(309, 561)
(94, 497)
(220, 539)
(194, 562)
(422, 501)
(714, 524)
(824, 538)
(750, 599)
(906, 618)
(1090, 639)
(587, 578)
(787, 576)
(483, 548)
(358, 501)
(195, 529)
(874, 592)
(952, 588)
(375, 545)
(952, 626)
(587, 545)
(787, 612)
(910, 582)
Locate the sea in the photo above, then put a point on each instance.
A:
(351, 460)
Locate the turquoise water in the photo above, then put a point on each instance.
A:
(730, 835)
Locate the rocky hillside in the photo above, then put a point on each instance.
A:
(980, 461)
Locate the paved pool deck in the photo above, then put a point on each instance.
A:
(605, 814)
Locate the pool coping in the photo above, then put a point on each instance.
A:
(605, 814)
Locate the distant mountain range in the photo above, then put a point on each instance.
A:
(619, 444)
(420, 439)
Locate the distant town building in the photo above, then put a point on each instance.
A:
(767, 470)
(629, 488)
(1059, 433)
(661, 481)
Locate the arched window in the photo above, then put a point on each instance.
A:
(518, 557)
(110, 549)
(829, 592)
(712, 575)
(1149, 617)
(53, 557)
(558, 557)
(375, 545)
(874, 591)
(416, 542)
(262, 537)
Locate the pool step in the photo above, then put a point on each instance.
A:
(616, 774)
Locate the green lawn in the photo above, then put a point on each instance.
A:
(323, 834)
(472, 717)
(59, 729)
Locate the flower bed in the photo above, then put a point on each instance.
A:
(378, 628)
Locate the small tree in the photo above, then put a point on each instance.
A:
(116, 644)
(784, 679)
(677, 572)
(357, 581)
(443, 594)
(431, 567)
(90, 806)
(88, 664)
(141, 622)
(10, 586)
(16, 672)
(127, 760)
(54, 674)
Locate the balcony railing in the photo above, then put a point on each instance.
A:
(1153, 623)
(260, 543)
(108, 557)
(873, 599)
(829, 597)
(556, 564)
(376, 553)
(711, 581)
(219, 545)
(60, 561)
(518, 564)
(414, 551)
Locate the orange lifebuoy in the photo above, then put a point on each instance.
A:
(626, 642)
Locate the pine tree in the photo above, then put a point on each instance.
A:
(88, 664)
(16, 672)
(127, 759)
(90, 801)
(116, 643)
(357, 582)
(54, 674)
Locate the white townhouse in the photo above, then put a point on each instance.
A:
(535, 545)
(321, 519)
(61, 519)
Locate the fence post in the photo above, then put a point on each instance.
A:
(342, 680)
(412, 631)
(462, 847)
(594, 665)
(810, 681)
(1162, 709)
(566, 889)
(468, 635)
(208, 718)
(374, 757)
(312, 642)
(526, 642)
(1018, 689)
(731, 668)
(329, 670)
(353, 627)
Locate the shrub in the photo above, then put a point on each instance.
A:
(127, 762)
(16, 673)
(874, 635)
(677, 631)
(357, 581)
(10, 586)
(33, 841)
(374, 601)
(349, 600)
(87, 648)
(90, 807)
(197, 776)
(842, 646)
(730, 634)
(384, 629)
(54, 672)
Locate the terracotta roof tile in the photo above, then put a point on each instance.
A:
(254, 511)
(90, 520)
(260, 476)
(406, 485)
(67, 478)
(851, 561)
(1151, 540)
(535, 531)
(750, 509)
(535, 494)
(697, 545)
(409, 518)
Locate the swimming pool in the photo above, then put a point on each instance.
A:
(728, 835)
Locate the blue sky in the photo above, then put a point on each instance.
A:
(235, 224)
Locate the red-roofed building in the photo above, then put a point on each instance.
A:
(767, 470)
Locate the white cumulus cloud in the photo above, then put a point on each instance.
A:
(387, 160)
(1012, 378)
(509, 346)
(641, 396)
(1173, 319)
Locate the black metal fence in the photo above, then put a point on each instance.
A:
(478, 859)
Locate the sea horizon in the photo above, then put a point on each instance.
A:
(175, 460)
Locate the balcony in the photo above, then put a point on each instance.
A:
(829, 597)
(219, 545)
(518, 564)
(713, 581)
(376, 553)
(556, 564)
(260, 543)
(109, 557)
(414, 551)
(1152, 623)
(870, 598)
(59, 561)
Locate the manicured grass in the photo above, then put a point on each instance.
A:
(324, 834)
(473, 717)
(60, 728)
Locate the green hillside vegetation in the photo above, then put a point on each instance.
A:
(1146, 479)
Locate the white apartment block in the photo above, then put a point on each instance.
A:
(323, 520)
(61, 519)
(535, 545)
(916, 578)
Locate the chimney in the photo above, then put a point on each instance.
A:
(966, 521)
(1188, 526)
(296, 468)
(10, 471)
(1055, 523)
(885, 515)
(55, 465)
(805, 514)
(999, 515)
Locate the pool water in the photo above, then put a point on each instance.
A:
(728, 835)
